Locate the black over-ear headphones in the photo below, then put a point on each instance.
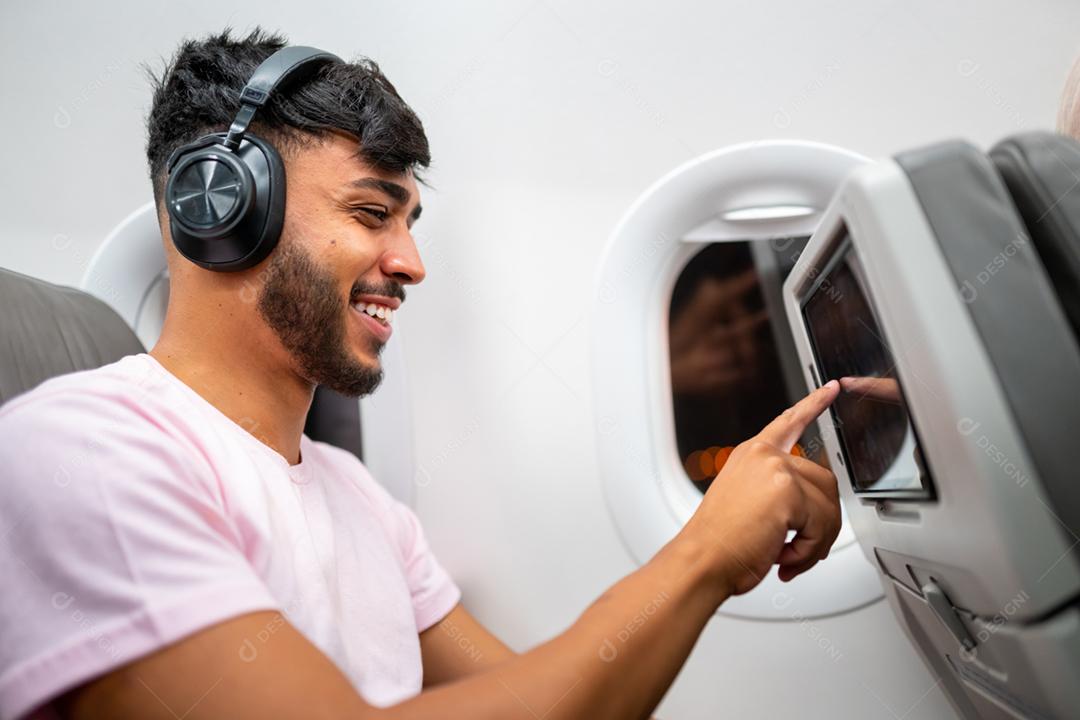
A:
(225, 192)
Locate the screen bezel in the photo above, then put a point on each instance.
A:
(842, 245)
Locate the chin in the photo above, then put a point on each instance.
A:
(370, 362)
(364, 349)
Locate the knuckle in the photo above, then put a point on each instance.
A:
(775, 466)
(758, 447)
(782, 479)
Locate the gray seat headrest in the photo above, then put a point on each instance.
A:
(48, 330)
(1042, 172)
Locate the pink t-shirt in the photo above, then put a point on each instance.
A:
(133, 513)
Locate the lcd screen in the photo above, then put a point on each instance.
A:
(878, 441)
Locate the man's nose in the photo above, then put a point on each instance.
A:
(402, 260)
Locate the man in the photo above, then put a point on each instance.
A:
(176, 547)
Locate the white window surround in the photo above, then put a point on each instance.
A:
(752, 191)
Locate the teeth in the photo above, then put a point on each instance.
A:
(380, 312)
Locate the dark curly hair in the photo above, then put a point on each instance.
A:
(198, 92)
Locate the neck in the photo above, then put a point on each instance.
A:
(243, 373)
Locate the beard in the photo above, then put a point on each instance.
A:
(303, 306)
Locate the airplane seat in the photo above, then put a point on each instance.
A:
(1042, 172)
(335, 419)
(48, 330)
(1006, 284)
(944, 274)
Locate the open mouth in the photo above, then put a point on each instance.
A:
(376, 318)
(382, 313)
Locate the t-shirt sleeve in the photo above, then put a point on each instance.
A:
(113, 544)
(434, 593)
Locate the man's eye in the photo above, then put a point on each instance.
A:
(377, 213)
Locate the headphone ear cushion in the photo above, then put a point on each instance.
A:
(269, 185)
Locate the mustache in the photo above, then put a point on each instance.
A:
(388, 289)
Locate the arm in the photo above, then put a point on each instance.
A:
(616, 661)
(588, 671)
(458, 646)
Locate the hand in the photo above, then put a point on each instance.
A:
(763, 492)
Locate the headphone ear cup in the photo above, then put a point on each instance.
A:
(209, 191)
(226, 209)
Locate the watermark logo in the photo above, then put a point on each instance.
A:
(249, 648)
(989, 629)
(969, 291)
(609, 650)
(967, 67)
(968, 427)
(782, 601)
(62, 601)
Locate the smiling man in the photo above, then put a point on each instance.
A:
(175, 546)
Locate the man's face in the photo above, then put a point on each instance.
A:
(346, 244)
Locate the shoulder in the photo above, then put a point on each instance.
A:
(120, 384)
(122, 412)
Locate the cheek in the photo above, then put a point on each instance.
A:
(314, 228)
(351, 251)
(343, 248)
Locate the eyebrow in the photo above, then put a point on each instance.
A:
(396, 192)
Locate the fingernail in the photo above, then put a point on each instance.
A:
(832, 383)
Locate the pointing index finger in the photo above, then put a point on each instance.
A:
(787, 428)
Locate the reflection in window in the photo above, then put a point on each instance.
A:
(727, 378)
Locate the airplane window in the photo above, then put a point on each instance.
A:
(727, 375)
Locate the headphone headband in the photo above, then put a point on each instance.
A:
(288, 63)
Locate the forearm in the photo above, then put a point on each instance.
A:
(459, 646)
(616, 661)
